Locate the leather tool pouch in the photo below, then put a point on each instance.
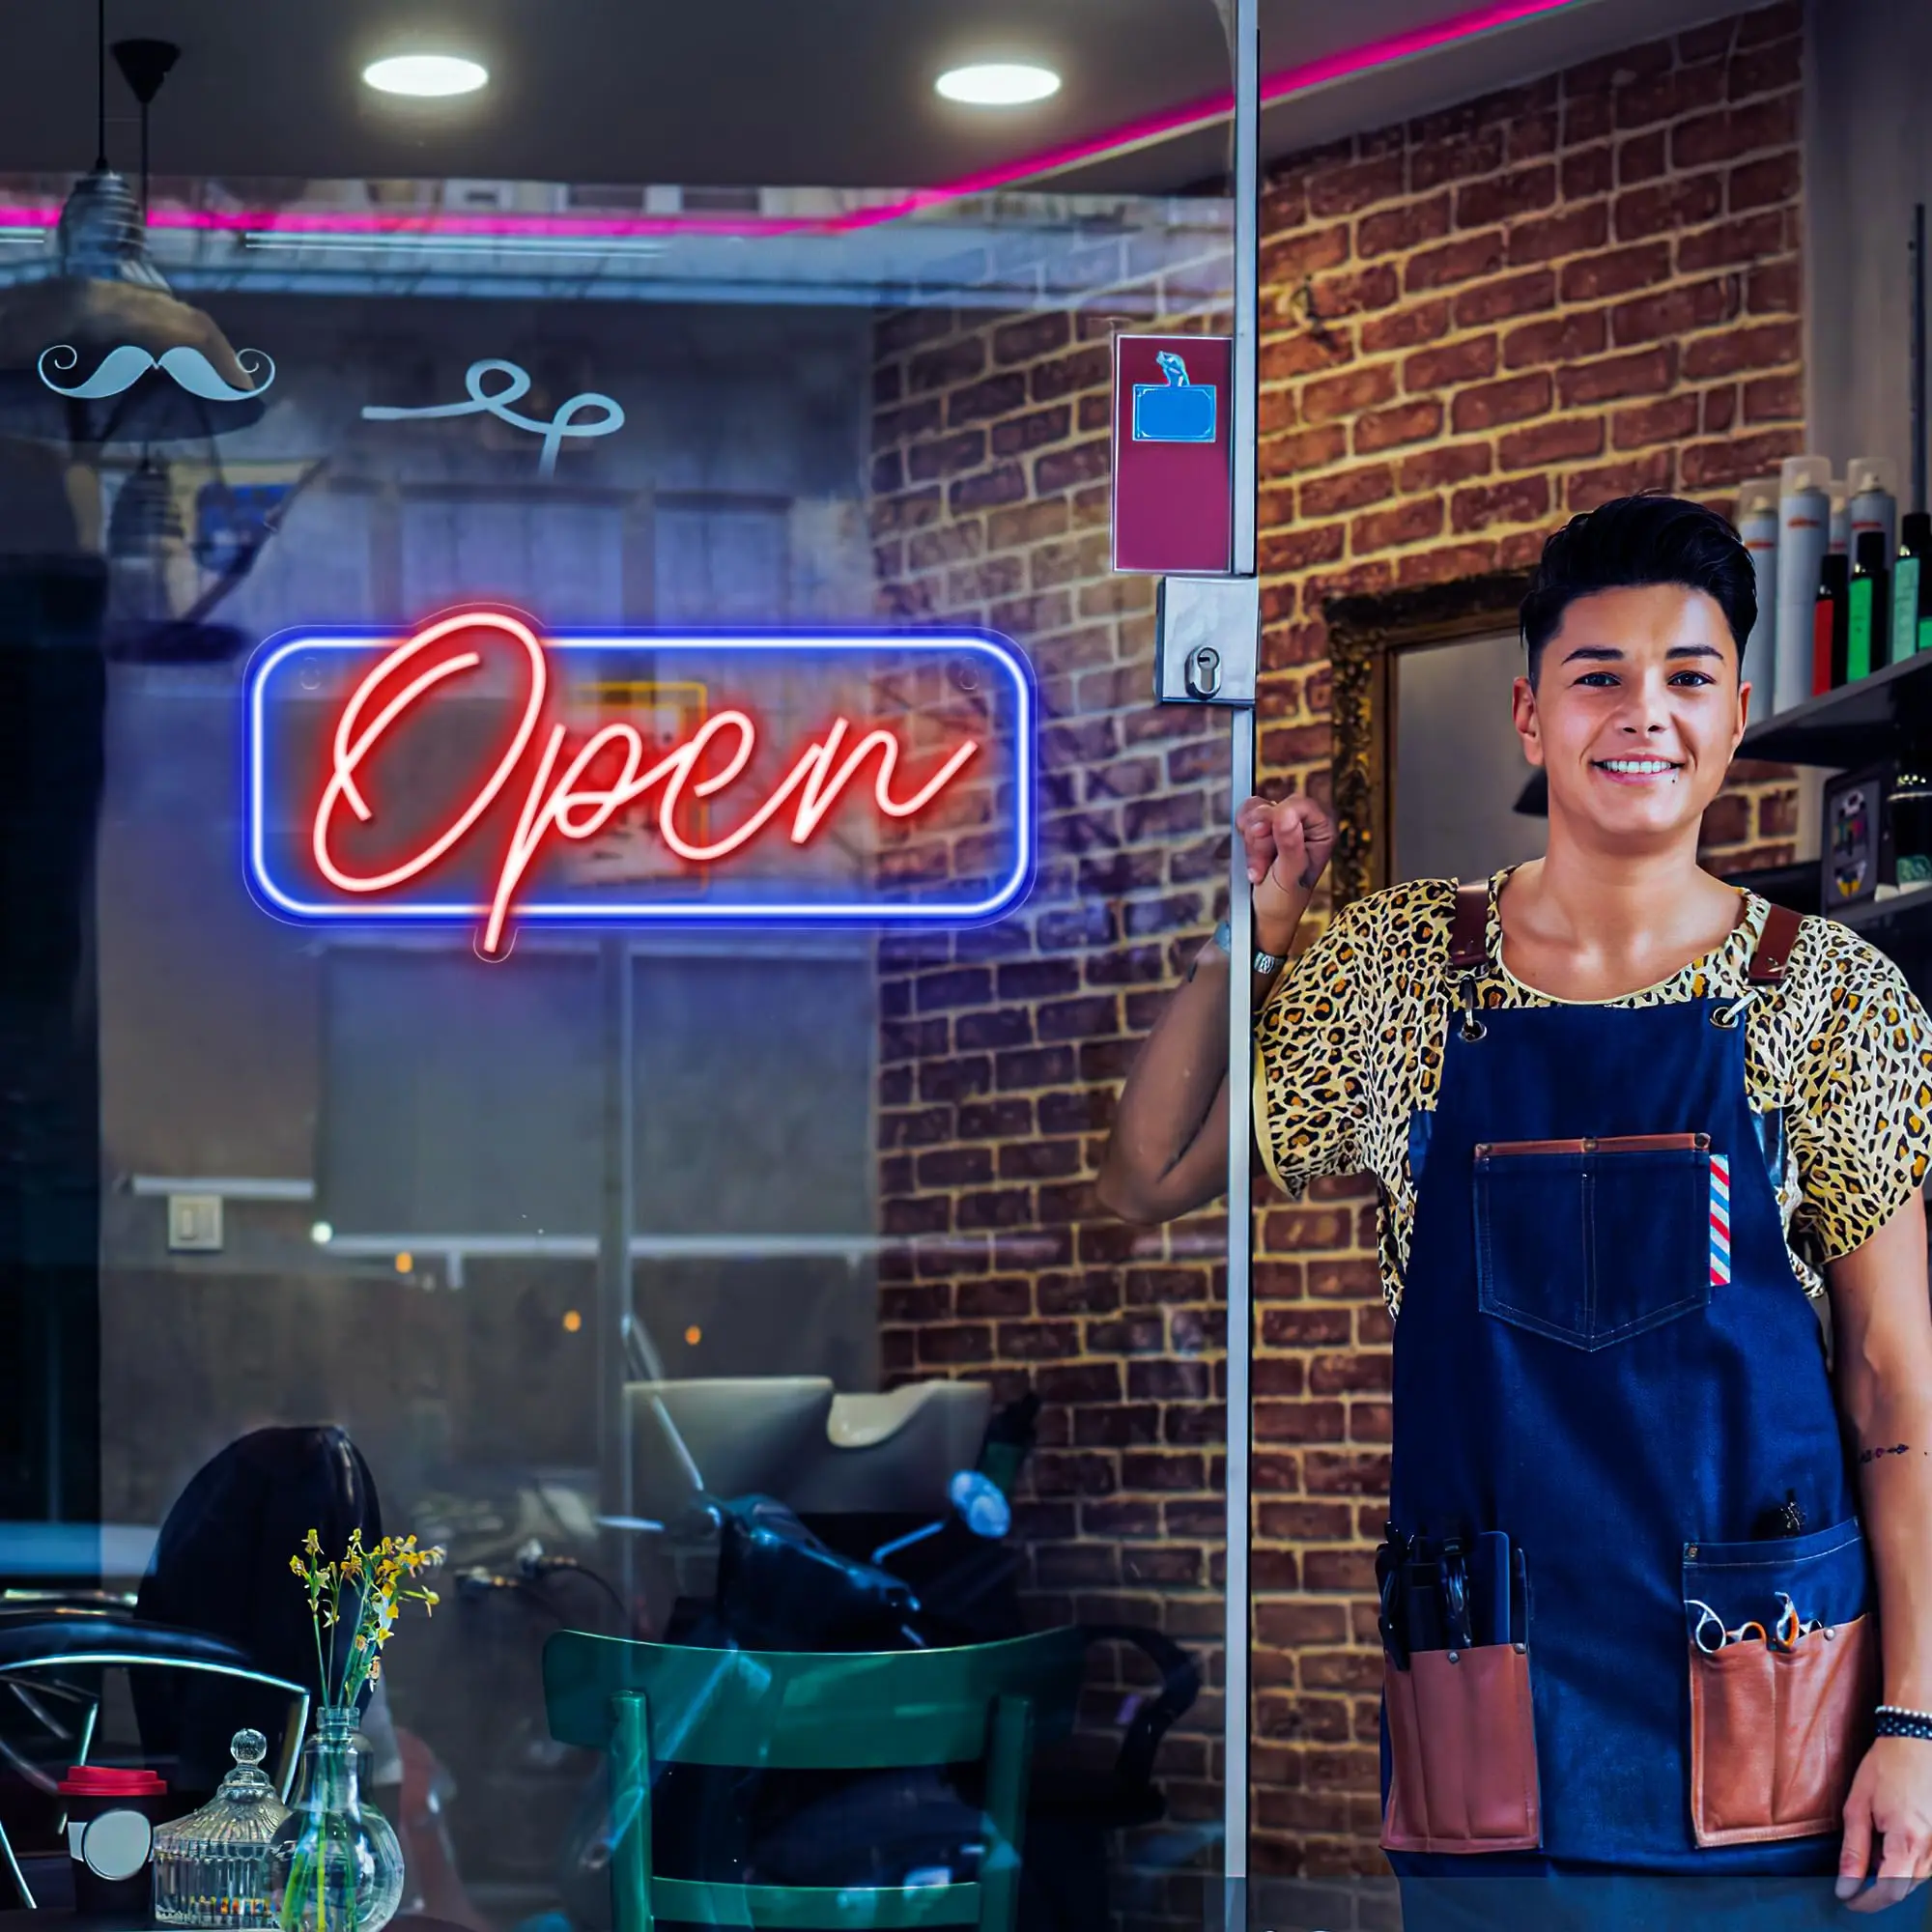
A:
(1461, 1771)
(1461, 1750)
(1777, 1733)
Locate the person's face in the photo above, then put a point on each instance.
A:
(1636, 711)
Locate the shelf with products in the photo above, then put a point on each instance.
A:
(1878, 726)
(1887, 714)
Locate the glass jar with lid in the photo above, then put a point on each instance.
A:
(211, 1867)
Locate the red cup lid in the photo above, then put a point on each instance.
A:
(107, 1781)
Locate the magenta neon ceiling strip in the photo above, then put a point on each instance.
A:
(1143, 132)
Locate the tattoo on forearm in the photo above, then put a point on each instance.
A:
(1883, 1449)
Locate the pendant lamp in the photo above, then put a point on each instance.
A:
(103, 316)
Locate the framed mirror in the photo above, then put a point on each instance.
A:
(1430, 778)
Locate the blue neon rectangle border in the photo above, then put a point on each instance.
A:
(1000, 650)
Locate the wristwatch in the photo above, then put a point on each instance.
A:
(1267, 964)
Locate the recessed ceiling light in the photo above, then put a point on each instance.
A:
(425, 76)
(998, 83)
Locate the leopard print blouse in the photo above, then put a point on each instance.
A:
(1350, 1046)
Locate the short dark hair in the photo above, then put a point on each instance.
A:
(1638, 540)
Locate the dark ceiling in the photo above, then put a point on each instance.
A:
(833, 93)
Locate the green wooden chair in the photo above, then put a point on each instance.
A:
(647, 1704)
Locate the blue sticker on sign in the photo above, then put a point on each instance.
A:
(1176, 410)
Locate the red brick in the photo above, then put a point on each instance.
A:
(1518, 502)
(1344, 190)
(1760, 345)
(1301, 549)
(1767, 69)
(1721, 408)
(1749, 238)
(1065, 375)
(1031, 337)
(1434, 162)
(1286, 357)
(1512, 295)
(1406, 524)
(1670, 420)
(1004, 483)
(911, 326)
(1774, 399)
(1347, 490)
(1669, 95)
(1642, 157)
(1503, 197)
(1449, 462)
(1288, 259)
(1773, 290)
(1533, 134)
(1019, 436)
(1611, 72)
(1405, 327)
(1305, 449)
(1735, 131)
(1466, 362)
(1585, 489)
(1394, 231)
(1561, 338)
(1768, 182)
(1494, 404)
(991, 396)
(1586, 172)
(1708, 465)
(1389, 429)
(1678, 203)
(1568, 232)
(1347, 394)
(1675, 312)
(1063, 469)
(1645, 372)
(941, 368)
(1769, 24)
(1460, 261)
(1592, 277)
(1353, 290)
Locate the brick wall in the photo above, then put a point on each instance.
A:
(1473, 324)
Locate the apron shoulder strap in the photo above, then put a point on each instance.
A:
(1773, 947)
(1469, 931)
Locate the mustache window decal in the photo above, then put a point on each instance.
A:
(496, 402)
(123, 366)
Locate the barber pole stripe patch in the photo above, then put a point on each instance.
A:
(1720, 1219)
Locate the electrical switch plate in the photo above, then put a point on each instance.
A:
(1207, 640)
(194, 1223)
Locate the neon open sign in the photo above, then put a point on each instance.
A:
(482, 773)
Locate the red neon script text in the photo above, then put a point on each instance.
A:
(577, 794)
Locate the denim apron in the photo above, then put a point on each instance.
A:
(1604, 1353)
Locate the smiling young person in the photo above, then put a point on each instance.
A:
(1630, 1125)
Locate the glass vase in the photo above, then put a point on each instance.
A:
(335, 1865)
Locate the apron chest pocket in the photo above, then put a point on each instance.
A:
(1784, 1672)
(1592, 1242)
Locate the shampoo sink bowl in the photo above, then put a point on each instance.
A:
(792, 1437)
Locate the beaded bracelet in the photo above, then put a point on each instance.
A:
(1895, 1721)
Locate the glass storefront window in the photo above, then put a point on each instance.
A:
(714, 1274)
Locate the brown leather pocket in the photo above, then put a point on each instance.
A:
(1776, 1735)
(1463, 1753)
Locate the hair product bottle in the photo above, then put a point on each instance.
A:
(1758, 526)
(1867, 607)
(1803, 513)
(1828, 624)
(1871, 504)
(1911, 616)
